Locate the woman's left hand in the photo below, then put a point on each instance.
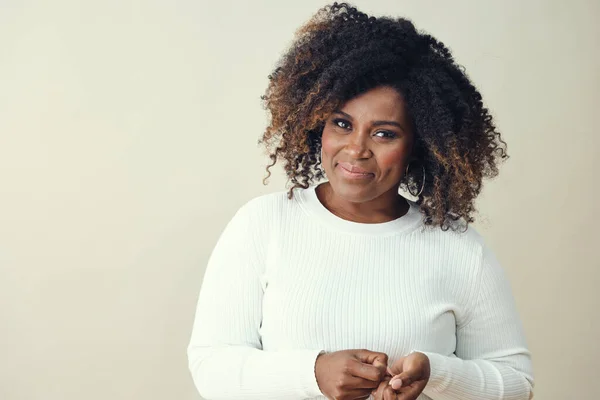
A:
(408, 376)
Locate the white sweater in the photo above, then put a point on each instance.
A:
(288, 279)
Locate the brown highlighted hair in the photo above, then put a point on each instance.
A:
(342, 52)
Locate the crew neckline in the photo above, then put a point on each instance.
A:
(312, 205)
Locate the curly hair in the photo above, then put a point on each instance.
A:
(341, 52)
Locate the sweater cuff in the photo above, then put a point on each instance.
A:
(304, 369)
(440, 375)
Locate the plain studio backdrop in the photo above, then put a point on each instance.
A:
(128, 138)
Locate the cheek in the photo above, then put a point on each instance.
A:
(392, 161)
(328, 143)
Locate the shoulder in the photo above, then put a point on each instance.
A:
(458, 252)
(267, 209)
(270, 204)
(472, 245)
(260, 218)
(457, 239)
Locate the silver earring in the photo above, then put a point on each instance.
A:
(422, 186)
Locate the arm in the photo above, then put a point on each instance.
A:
(492, 361)
(225, 353)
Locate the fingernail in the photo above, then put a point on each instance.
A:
(396, 383)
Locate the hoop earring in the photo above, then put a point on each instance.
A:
(422, 186)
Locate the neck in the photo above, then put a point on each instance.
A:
(384, 208)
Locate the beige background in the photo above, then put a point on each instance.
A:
(128, 138)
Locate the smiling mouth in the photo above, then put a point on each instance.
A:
(352, 172)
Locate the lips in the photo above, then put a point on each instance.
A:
(353, 168)
(354, 171)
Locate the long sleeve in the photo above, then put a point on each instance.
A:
(287, 279)
(491, 361)
(225, 353)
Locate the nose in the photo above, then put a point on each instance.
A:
(357, 146)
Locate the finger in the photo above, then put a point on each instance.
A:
(406, 378)
(380, 365)
(371, 357)
(377, 359)
(354, 382)
(411, 392)
(388, 393)
(357, 394)
(365, 371)
(378, 394)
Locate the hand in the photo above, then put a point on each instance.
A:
(405, 379)
(350, 374)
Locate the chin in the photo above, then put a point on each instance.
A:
(353, 192)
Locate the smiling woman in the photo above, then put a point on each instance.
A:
(366, 147)
(345, 289)
(342, 53)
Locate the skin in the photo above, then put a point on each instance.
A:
(366, 146)
(406, 378)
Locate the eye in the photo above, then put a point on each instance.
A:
(341, 123)
(386, 134)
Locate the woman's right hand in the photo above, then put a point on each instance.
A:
(350, 374)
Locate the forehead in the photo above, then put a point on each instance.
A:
(382, 103)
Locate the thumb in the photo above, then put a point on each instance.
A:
(396, 382)
(401, 374)
(397, 367)
(405, 378)
(406, 371)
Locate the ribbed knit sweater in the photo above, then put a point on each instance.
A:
(288, 279)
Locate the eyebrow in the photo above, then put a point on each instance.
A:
(375, 123)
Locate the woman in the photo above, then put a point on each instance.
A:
(345, 289)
